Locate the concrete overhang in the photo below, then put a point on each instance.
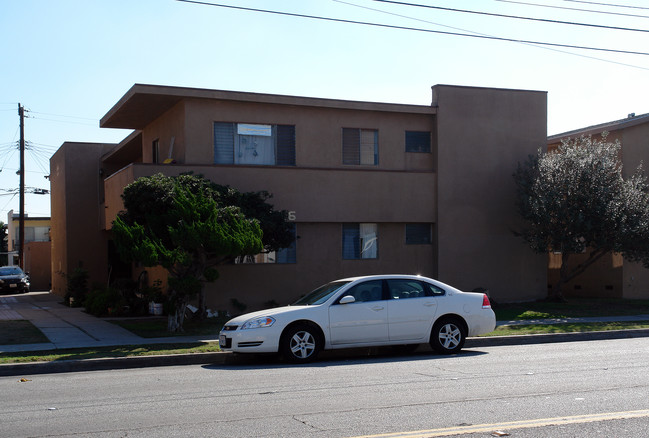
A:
(143, 103)
(128, 150)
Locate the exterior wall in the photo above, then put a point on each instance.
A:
(482, 135)
(78, 236)
(602, 280)
(38, 262)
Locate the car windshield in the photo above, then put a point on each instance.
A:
(321, 294)
(14, 270)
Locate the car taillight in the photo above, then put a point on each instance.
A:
(485, 302)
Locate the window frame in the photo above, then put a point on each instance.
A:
(416, 137)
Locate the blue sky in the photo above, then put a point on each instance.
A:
(68, 61)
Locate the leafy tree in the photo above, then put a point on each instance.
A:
(189, 225)
(576, 200)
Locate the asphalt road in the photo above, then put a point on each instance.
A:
(577, 389)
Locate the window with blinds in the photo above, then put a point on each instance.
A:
(245, 143)
(360, 241)
(360, 146)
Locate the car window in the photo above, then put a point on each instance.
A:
(435, 290)
(401, 289)
(321, 294)
(367, 291)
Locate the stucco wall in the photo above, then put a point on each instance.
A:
(78, 237)
(482, 135)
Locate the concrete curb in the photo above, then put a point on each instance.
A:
(67, 366)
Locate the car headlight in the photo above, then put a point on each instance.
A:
(266, 321)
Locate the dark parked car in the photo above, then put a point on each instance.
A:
(13, 279)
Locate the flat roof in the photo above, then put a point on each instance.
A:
(631, 120)
(144, 103)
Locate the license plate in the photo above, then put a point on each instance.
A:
(222, 341)
(13, 285)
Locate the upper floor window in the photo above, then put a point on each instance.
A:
(244, 143)
(360, 241)
(360, 146)
(417, 141)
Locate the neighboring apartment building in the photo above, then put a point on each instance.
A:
(371, 187)
(37, 254)
(611, 276)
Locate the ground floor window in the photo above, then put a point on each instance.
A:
(360, 241)
(419, 234)
(281, 256)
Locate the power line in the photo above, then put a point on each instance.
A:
(553, 49)
(390, 26)
(594, 11)
(607, 4)
(517, 17)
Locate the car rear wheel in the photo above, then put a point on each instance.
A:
(448, 336)
(300, 344)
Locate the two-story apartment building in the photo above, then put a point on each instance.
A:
(611, 276)
(371, 187)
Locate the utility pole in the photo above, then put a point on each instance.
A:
(21, 227)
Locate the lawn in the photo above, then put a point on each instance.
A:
(20, 331)
(157, 327)
(573, 308)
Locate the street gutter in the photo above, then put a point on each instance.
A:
(227, 358)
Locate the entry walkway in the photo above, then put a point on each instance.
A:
(67, 327)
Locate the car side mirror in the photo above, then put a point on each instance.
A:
(347, 299)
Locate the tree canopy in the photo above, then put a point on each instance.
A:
(189, 225)
(576, 200)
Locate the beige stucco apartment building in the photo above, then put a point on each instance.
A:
(371, 187)
(611, 276)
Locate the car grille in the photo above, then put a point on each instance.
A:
(249, 344)
(230, 328)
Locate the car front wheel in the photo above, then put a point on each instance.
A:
(300, 344)
(448, 336)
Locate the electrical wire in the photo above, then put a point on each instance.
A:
(594, 11)
(553, 49)
(517, 17)
(607, 4)
(389, 26)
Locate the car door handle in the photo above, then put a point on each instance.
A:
(377, 308)
(430, 304)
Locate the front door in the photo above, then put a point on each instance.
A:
(363, 321)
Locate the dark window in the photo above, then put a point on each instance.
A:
(418, 234)
(371, 290)
(360, 146)
(244, 143)
(155, 151)
(417, 141)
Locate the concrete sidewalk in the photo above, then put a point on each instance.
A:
(68, 327)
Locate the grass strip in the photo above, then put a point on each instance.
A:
(542, 329)
(107, 352)
(20, 331)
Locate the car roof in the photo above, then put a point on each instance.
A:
(384, 276)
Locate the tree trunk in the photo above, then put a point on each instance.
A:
(202, 309)
(556, 294)
(175, 320)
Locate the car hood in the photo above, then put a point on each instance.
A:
(11, 277)
(276, 311)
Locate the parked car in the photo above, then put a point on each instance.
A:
(13, 279)
(360, 312)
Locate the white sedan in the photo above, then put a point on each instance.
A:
(361, 312)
